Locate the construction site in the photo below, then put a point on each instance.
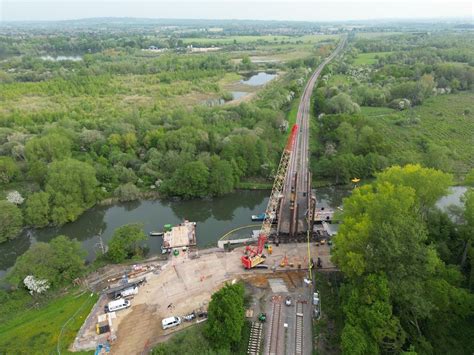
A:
(184, 284)
(144, 304)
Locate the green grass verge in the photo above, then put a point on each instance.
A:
(254, 185)
(293, 112)
(36, 331)
(376, 111)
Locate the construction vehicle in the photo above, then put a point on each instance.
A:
(254, 255)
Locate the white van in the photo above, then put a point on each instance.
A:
(117, 305)
(128, 292)
(170, 322)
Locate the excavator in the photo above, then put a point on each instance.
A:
(253, 255)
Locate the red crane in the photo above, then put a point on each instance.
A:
(254, 255)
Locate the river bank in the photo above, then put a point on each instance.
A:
(214, 217)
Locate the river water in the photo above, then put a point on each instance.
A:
(214, 218)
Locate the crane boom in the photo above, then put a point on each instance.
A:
(254, 256)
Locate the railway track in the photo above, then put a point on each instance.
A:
(299, 160)
(275, 323)
(299, 331)
(255, 339)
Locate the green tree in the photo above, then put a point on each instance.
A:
(73, 188)
(346, 135)
(11, 221)
(48, 148)
(468, 230)
(37, 209)
(127, 192)
(370, 324)
(342, 103)
(226, 316)
(428, 184)
(190, 180)
(8, 169)
(221, 177)
(60, 261)
(125, 242)
(469, 178)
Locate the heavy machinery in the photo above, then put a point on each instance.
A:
(254, 255)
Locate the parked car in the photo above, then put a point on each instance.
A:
(117, 305)
(170, 322)
(316, 298)
(189, 317)
(288, 301)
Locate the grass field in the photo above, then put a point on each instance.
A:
(372, 35)
(338, 79)
(369, 58)
(37, 331)
(376, 111)
(226, 40)
(442, 120)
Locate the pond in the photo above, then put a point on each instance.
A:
(258, 79)
(59, 58)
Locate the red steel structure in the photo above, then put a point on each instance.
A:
(254, 255)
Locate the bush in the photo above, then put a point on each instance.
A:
(37, 209)
(8, 169)
(11, 221)
(125, 243)
(342, 103)
(127, 192)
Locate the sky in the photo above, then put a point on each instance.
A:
(299, 10)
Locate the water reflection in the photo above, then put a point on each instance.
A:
(453, 198)
(59, 58)
(260, 78)
(214, 217)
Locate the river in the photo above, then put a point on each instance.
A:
(214, 218)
